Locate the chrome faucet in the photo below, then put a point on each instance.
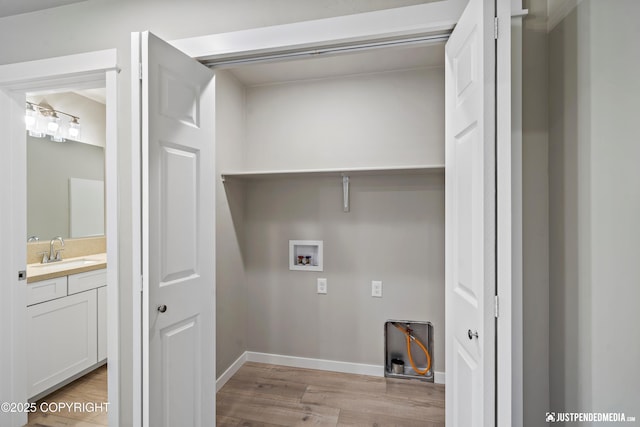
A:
(53, 254)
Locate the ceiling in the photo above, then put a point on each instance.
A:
(98, 94)
(363, 62)
(16, 7)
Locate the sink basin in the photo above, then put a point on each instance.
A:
(68, 264)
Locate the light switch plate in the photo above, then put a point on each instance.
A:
(322, 286)
(376, 289)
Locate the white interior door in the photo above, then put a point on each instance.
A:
(470, 218)
(178, 242)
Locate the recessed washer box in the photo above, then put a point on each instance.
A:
(305, 255)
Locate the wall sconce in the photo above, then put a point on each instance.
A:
(43, 120)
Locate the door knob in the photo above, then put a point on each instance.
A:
(162, 308)
(472, 334)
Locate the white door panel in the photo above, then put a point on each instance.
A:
(178, 237)
(470, 218)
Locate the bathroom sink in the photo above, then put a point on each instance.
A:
(72, 263)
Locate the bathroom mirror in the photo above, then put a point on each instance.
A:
(65, 189)
(65, 180)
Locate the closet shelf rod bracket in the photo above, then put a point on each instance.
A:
(345, 193)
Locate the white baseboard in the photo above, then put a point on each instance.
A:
(231, 370)
(321, 364)
(308, 363)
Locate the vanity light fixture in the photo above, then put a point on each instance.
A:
(43, 120)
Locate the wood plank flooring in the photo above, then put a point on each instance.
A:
(261, 395)
(271, 395)
(89, 388)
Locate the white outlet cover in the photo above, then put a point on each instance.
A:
(376, 289)
(322, 286)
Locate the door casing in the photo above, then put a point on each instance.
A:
(80, 71)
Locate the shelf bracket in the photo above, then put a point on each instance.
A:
(345, 193)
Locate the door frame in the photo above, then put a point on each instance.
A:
(85, 70)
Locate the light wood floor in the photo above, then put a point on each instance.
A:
(89, 388)
(270, 395)
(261, 395)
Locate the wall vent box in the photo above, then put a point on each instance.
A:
(395, 347)
(305, 255)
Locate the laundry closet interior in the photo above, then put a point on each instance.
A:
(344, 148)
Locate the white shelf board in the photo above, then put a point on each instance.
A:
(385, 170)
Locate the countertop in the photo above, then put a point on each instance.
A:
(38, 272)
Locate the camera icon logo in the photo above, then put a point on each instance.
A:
(550, 417)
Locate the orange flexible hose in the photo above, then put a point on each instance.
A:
(417, 341)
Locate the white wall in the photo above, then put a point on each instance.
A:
(381, 119)
(594, 209)
(535, 192)
(394, 233)
(231, 284)
(91, 113)
(615, 206)
(51, 164)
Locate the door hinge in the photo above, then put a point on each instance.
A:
(141, 283)
(496, 307)
(495, 28)
(140, 71)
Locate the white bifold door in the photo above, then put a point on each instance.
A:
(176, 113)
(470, 193)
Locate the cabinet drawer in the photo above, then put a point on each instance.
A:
(46, 290)
(85, 281)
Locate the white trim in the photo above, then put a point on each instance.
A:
(13, 255)
(74, 67)
(113, 243)
(509, 221)
(136, 231)
(424, 19)
(308, 363)
(231, 370)
(321, 364)
(74, 71)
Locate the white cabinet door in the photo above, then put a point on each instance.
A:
(102, 323)
(470, 169)
(61, 339)
(178, 235)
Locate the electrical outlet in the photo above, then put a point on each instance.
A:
(376, 289)
(322, 286)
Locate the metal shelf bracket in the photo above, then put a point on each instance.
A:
(345, 193)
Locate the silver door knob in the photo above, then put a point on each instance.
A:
(162, 308)
(472, 334)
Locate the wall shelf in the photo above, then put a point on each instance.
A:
(390, 170)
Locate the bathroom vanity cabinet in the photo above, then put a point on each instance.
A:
(67, 328)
